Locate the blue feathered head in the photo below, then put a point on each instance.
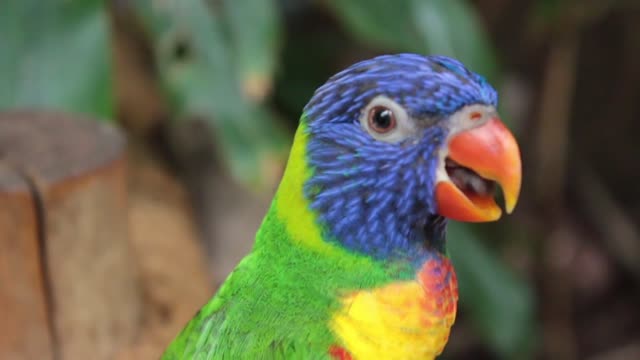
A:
(398, 142)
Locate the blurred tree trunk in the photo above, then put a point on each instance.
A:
(91, 267)
(70, 215)
(25, 328)
(175, 277)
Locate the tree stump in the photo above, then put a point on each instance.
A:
(68, 280)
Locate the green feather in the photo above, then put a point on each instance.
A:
(275, 303)
(279, 300)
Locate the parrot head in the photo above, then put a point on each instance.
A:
(398, 143)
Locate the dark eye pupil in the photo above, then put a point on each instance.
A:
(383, 118)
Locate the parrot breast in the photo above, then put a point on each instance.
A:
(401, 320)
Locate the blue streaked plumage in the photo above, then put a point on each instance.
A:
(391, 193)
(427, 86)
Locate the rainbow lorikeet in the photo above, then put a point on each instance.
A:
(350, 261)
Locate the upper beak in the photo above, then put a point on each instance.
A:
(492, 152)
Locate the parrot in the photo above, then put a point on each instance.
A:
(350, 260)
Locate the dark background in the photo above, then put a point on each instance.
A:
(211, 92)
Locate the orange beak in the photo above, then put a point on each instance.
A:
(491, 152)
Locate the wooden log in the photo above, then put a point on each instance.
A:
(76, 168)
(172, 261)
(24, 323)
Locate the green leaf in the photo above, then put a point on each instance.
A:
(382, 23)
(452, 28)
(445, 27)
(309, 60)
(499, 303)
(254, 27)
(201, 76)
(548, 11)
(55, 54)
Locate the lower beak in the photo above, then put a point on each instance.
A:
(491, 152)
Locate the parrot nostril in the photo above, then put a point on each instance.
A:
(475, 116)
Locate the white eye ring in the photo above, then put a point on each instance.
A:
(386, 120)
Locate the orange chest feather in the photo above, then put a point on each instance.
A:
(402, 320)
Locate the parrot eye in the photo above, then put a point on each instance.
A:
(386, 120)
(381, 119)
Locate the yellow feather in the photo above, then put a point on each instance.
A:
(397, 321)
(292, 206)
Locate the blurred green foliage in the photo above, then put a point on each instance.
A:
(215, 68)
(222, 61)
(56, 54)
(500, 304)
(446, 27)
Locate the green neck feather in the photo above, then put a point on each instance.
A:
(289, 284)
